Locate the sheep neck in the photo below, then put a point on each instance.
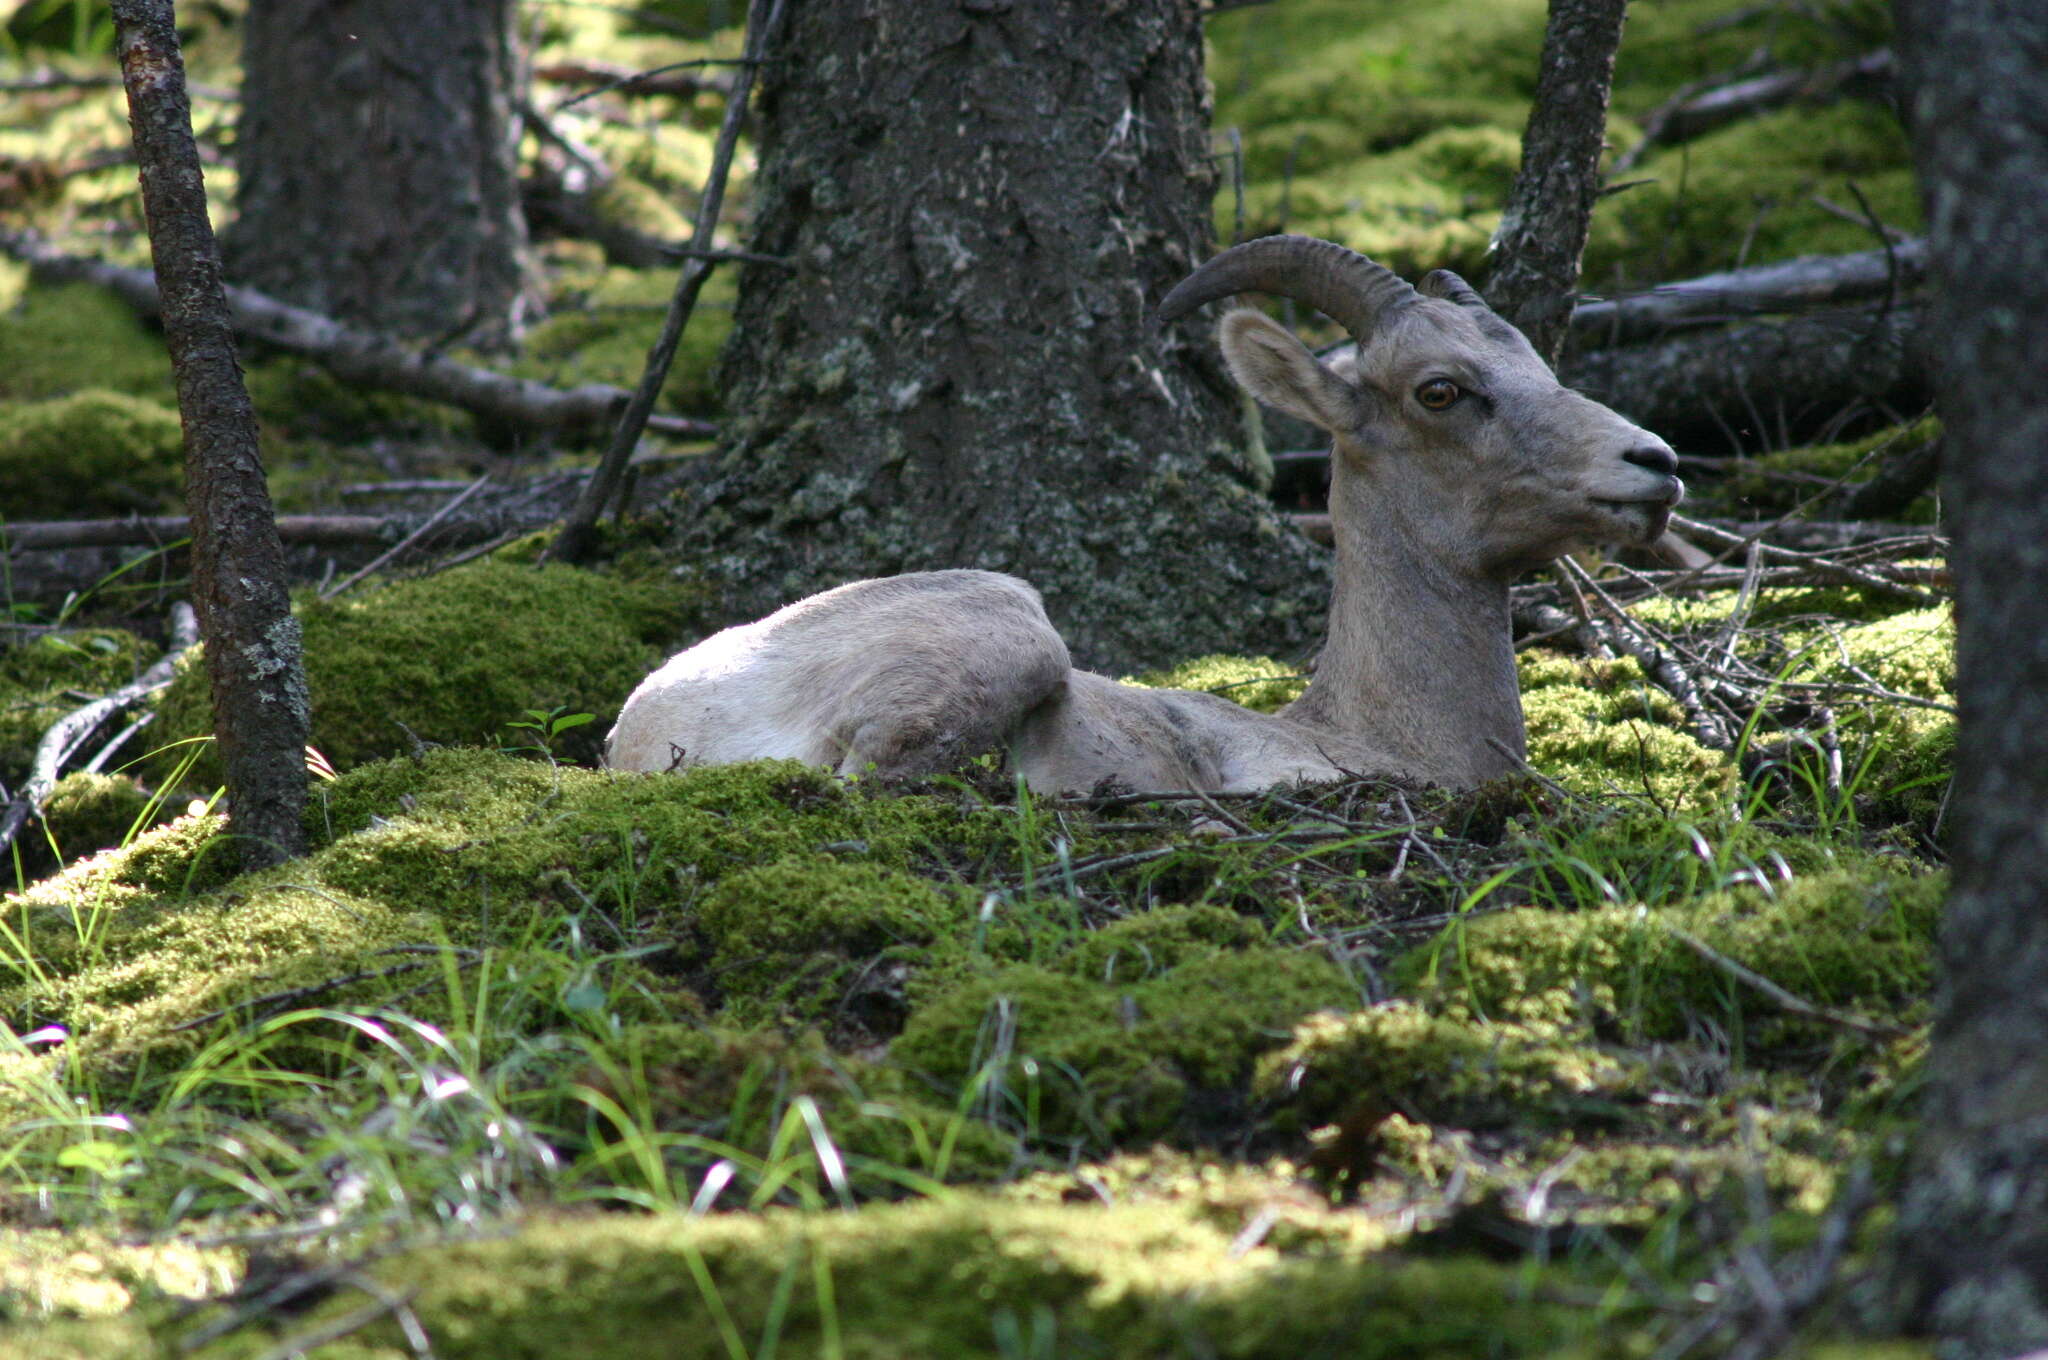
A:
(1420, 660)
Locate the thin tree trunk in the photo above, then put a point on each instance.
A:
(1549, 212)
(378, 174)
(1973, 1227)
(982, 203)
(260, 708)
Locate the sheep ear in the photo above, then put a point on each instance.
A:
(1442, 283)
(1276, 368)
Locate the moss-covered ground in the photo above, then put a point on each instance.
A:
(755, 1053)
(526, 1058)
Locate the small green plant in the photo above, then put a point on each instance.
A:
(545, 725)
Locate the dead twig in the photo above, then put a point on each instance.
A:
(415, 536)
(764, 18)
(1784, 1000)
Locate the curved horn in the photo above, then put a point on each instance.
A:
(1342, 284)
(1442, 283)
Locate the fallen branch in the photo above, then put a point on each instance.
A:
(1660, 662)
(1840, 573)
(39, 81)
(68, 735)
(1803, 284)
(332, 531)
(415, 536)
(1693, 112)
(361, 358)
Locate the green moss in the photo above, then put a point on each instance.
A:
(614, 320)
(1774, 483)
(471, 847)
(955, 1278)
(298, 402)
(1860, 940)
(92, 453)
(1447, 1069)
(1363, 123)
(63, 338)
(1071, 1057)
(90, 812)
(791, 936)
(1255, 681)
(455, 656)
(1600, 727)
(1744, 194)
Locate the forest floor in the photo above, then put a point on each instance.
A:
(1617, 1057)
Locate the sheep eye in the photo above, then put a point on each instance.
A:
(1438, 394)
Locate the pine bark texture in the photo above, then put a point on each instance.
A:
(983, 200)
(253, 653)
(1973, 1228)
(1549, 212)
(376, 150)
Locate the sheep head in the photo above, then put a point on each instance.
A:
(1448, 427)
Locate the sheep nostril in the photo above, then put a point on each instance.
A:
(1653, 458)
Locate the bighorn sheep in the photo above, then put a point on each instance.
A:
(1459, 462)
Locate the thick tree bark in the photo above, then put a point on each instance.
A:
(260, 709)
(983, 200)
(1549, 212)
(376, 149)
(1973, 1228)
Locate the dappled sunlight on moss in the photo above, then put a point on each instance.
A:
(1257, 682)
(1601, 728)
(455, 656)
(1851, 938)
(1464, 1071)
(87, 1274)
(955, 1277)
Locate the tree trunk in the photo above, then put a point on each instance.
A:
(1973, 1228)
(260, 709)
(1549, 212)
(376, 152)
(983, 200)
